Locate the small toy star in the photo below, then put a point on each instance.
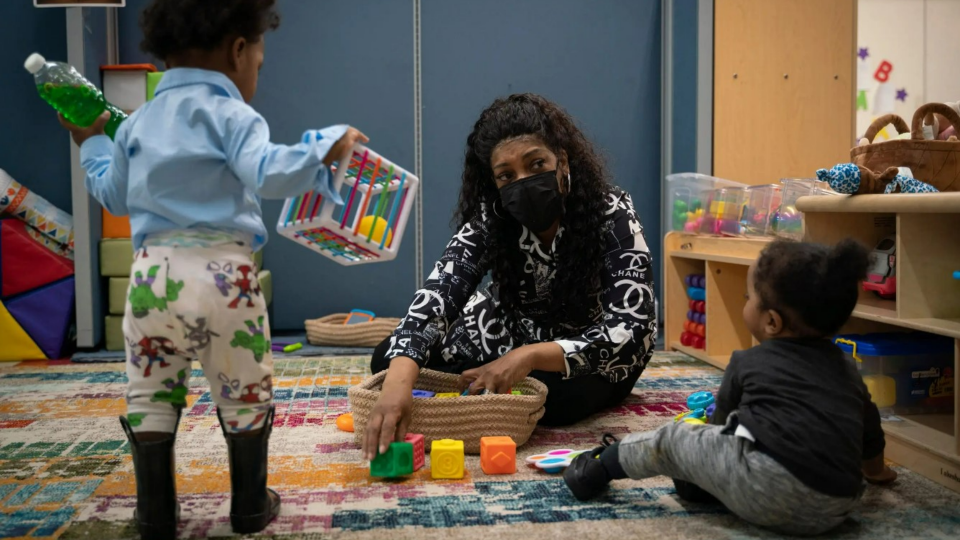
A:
(902, 94)
(864, 53)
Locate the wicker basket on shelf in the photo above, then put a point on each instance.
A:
(330, 330)
(465, 418)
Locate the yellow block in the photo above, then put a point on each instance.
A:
(16, 344)
(447, 394)
(446, 459)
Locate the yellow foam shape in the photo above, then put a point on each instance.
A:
(882, 389)
(17, 345)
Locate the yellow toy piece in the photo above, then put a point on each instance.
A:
(446, 459)
(16, 344)
(447, 394)
(694, 421)
(882, 389)
(379, 226)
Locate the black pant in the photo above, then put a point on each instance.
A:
(568, 400)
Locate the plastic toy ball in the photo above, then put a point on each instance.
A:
(378, 224)
(345, 422)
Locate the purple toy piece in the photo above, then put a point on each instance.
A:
(423, 394)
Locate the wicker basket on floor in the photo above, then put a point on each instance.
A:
(465, 418)
(330, 330)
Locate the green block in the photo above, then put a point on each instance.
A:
(119, 287)
(266, 285)
(113, 328)
(397, 461)
(153, 79)
(116, 257)
(258, 259)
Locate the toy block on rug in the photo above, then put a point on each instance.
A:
(446, 459)
(396, 461)
(419, 449)
(498, 455)
(17, 344)
(26, 264)
(45, 315)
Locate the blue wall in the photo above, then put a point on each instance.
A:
(599, 60)
(35, 149)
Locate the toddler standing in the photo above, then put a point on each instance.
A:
(190, 168)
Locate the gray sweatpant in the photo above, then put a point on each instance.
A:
(748, 482)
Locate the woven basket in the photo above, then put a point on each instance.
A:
(330, 330)
(934, 162)
(461, 418)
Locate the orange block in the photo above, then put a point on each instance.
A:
(115, 227)
(498, 455)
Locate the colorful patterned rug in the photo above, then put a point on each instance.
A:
(65, 472)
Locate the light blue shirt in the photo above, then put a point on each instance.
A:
(197, 156)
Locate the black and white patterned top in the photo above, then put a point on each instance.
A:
(618, 343)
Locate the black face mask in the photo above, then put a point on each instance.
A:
(534, 201)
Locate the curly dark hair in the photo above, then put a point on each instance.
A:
(171, 27)
(813, 287)
(580, 250)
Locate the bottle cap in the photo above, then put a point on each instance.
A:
(34, 63)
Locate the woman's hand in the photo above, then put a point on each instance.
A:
(500, 375)
(391, 415)
(81, 134)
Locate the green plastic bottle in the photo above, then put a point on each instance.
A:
(71, 94)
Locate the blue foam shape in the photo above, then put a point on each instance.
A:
(423, 394)
(45, 314)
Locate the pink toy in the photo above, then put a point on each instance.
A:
(419, 449)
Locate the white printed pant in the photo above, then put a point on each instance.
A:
(196, 303)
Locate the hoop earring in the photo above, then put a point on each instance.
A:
(494, 208)
(569, 183)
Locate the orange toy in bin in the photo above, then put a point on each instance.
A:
(115, 227)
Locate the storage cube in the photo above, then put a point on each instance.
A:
(117, 296)
(908, 373)
(722, 210)
(761, 202)
(685, 193)
(113, 329)
(116, 257)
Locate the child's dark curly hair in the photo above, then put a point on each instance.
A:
(813, 287)
(171, 27)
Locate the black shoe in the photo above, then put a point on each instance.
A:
(252, 505)
(157, 511)
(691, 492)
(586, 476)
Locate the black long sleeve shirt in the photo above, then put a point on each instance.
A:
(807, 408)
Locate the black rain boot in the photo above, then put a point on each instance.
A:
(253, 505)
(590, 473)
(157, 510)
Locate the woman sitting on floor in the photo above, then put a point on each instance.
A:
(571, 302)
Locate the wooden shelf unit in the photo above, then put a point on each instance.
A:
(928, 252)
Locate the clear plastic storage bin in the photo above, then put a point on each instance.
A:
(787, 221)
(906, 373)
(686, 193)
(722, 212)
(761, 203)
